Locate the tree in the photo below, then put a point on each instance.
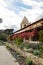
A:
(3, 36)
(9, 31)
(41, 36)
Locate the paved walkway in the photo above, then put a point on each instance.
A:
(6, 58)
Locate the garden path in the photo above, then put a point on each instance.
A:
(6, 58)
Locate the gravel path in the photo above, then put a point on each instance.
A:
(6, 58)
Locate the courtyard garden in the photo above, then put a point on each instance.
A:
(26, 53)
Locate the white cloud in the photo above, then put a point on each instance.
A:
(3, 3)
(31, 14)
(11, 18)
(36, 10)
(33, 3)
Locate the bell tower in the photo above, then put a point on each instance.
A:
(24, 22)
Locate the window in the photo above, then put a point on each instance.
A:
(25, 25)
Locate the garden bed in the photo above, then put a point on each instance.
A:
(35, 59)
(18, 57)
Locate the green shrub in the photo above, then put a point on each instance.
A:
(7, 46)
(41, 48)
(41, 36)
(30, 50)
(27, 46)
(19, 41)
(32, 45)
(2, 43)
(36, 52)
(21, 46)
(29, 61)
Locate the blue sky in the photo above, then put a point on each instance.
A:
(13, 11)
